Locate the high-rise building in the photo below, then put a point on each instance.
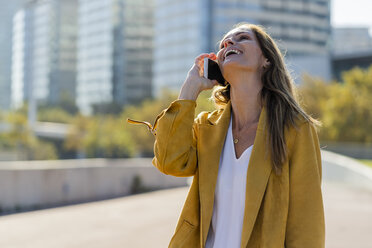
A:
(351, 40)
(114, 52)
(185, 29)
(351, 47)
(7, 10)
(44, 52)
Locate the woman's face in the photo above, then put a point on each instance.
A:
(239, 49)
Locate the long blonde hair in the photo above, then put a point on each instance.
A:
(278, 95)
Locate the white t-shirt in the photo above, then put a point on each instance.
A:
(229, 197)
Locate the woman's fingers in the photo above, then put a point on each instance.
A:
(201, 58)
(199, 62)
(213, 56)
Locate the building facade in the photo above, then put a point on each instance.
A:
(351, 47)
(7, 11)
(351, 40)
(44, 52)
(114, 52)
(185, 29)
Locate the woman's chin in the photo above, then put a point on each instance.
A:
(231, 65)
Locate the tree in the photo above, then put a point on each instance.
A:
(99, 136)
(21, 138)
(54, 114)
(344, 107)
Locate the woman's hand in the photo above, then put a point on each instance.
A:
(195, 82)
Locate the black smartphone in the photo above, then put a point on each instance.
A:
(212, 71)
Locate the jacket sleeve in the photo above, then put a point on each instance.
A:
(176, 139)
(305, 223)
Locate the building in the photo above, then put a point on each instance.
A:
(114, 52)
(351, 40)
(348, 61)
(185, 29)
(7, 10)
(44, 52)
(351, 47)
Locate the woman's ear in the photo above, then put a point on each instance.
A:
(266, 63)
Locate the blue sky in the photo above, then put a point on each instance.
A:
(351, 13)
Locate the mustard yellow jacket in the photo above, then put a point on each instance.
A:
(280, 211)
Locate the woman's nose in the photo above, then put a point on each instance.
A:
(227, 42)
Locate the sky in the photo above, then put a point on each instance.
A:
(351, 13)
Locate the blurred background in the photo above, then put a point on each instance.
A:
(72, 71)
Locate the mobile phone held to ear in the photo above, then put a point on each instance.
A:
(212, 71)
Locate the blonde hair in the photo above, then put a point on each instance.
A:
(278, 95)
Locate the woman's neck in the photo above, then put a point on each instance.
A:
(245, 102)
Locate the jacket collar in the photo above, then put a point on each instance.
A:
(221, 116)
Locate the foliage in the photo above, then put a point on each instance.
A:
(100, 136)
(313, 95)
(204, 102)
(54, 114)
(366, 162)
(21, 139)
(344, 108)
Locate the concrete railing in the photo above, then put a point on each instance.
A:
(39, 184)
(350, 149)
(342, 169)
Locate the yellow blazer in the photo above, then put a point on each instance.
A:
(280, 211)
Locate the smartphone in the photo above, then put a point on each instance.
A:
(212, 71)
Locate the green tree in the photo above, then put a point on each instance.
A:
(314, 93)
(344, 108)
(99, 136)
(21, 138)
(54, 114)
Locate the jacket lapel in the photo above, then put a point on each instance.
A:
(212, 137)
(259, 170)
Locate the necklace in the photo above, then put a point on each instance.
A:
(242, 133)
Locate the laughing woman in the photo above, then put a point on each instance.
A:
(255, 161)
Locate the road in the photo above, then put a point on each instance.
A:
(148, 220)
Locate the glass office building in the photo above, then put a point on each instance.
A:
(7, 11)
(185, 29)
(182, 31)
(114, 52)
(44, 52)
(351, 40)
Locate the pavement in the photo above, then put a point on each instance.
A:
(148, 220)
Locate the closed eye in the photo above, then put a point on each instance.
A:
(244, 37)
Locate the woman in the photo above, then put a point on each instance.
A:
(256, 161)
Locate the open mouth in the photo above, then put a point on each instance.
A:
(232, 52)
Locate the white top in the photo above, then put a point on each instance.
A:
(229, 197)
